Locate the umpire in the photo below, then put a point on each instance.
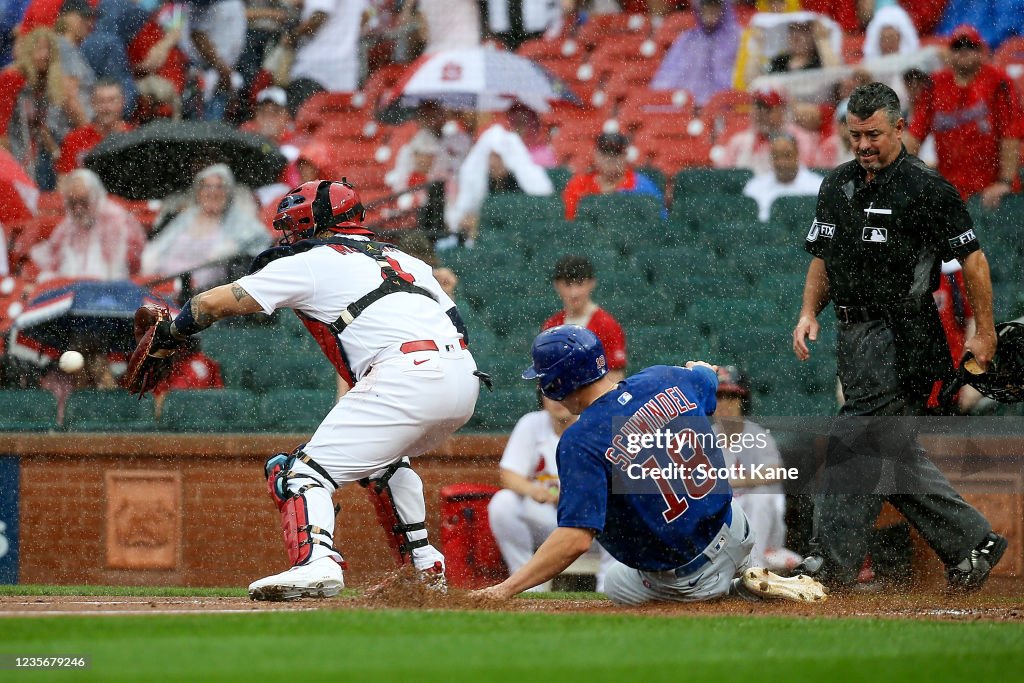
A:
(883, 225)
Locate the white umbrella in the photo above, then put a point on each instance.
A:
(481, 79)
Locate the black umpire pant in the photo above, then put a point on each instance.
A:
(874, 456)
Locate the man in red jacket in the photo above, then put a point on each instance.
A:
(975, 114)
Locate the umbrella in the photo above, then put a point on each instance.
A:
(18, 193)
(481, 78)
(71, 314)
(164, 156)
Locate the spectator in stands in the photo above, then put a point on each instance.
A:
(996, 21)
(525, 123)
(513, 28)
(974, 111)
(763, 501)
(442, 140)
(449, 24)
(156, 99)
(266, 22)
(107, 109)
(74, 24)
(220, 225)
(838, 143)
(612, 173)
(957, 318)
(213, 40)
(97, 239)
(106, 48)
(523, 513)
(326, 44)
(10, 17)
(155, 48)
(891, 31)
(750, 148)
(574, 281)
(499, 162)
(272, 119)
(789, 178)
(810, 47)
(35, 113)
(701, 59)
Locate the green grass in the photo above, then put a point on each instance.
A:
(414, 646)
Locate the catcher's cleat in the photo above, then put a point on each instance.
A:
(972, 572)
(800, 588)
(319, 579)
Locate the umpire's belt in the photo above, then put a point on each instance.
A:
(722, 520)
(863, 314)
(425, 345)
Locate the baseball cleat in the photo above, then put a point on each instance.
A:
(972, 573)
(799, 588)
(319, 579)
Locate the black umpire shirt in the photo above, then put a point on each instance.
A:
(883, 244)
(885, 241)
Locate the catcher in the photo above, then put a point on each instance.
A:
(394, 337)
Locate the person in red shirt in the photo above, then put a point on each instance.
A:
(974, 112)
(574, 282)
(107, 107)
(192, 369)
(611, 174)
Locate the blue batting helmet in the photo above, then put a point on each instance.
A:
(566, 358)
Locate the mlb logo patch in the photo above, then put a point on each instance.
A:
(625, 398)
(878, 235)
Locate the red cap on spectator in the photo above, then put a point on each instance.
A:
(770, 98)
(966, 35)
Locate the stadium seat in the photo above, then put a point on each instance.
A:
(288, 370)
(702, 181)
(672, 25)
(294, 410)
(618, 210)
(210, 410)
(499, 410)
(560, 176)
(27, 410)
(504, 212)
(708, 213)
(794, 214)
(111, 410)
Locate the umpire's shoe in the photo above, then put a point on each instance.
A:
(319, 579)
(973, 571)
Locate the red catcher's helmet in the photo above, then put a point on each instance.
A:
(320, 205)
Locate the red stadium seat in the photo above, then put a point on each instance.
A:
(646, 108)
(601, 27)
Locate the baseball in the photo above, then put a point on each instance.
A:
(71, 361)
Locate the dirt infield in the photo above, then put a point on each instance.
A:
(1001, 600)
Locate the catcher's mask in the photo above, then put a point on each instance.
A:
(1004, 379)
(320, 205)
(566, 358)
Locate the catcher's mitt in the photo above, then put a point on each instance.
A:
(1004, 379)
(154, 350)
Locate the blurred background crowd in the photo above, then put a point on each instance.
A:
(672, 148)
